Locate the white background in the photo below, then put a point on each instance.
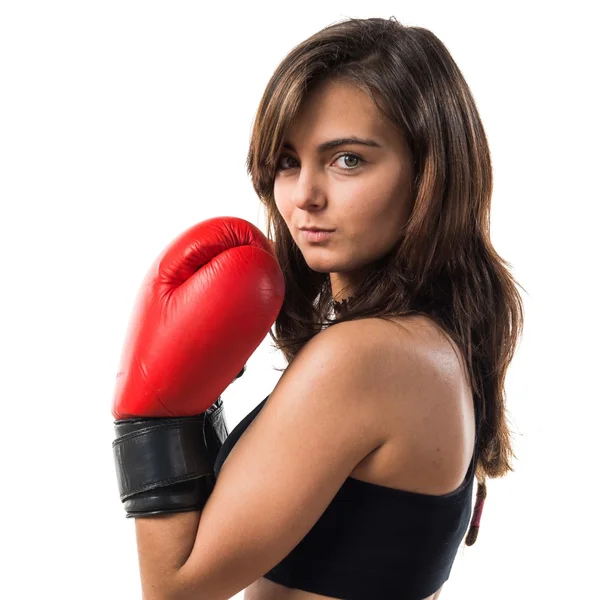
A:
(123, 123)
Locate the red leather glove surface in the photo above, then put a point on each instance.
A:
(204, 306)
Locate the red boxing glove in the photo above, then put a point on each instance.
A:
(206, 304)
(204, 307)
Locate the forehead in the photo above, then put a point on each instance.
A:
(337, 108)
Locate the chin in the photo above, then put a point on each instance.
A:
(326, 266)
(326, 262)
(320, 266)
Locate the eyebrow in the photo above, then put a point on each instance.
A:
(340, 142)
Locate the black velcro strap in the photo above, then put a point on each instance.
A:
(155, 452)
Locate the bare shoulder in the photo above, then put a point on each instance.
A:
(403, 372)
(390, 346)
(413, 340)
(423, 403)
(353, 351)
(428, 366)
(430, 414)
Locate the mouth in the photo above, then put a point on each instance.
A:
(316, 235)
(315, 229)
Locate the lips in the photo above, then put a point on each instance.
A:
(316, 236)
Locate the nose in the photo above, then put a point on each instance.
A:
(308, 193)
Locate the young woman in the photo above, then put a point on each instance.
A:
(354, 478)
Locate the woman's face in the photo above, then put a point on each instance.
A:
(360, 192)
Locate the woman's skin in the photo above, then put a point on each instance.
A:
(424, 415)
(364, 194)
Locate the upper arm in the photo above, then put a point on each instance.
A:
(319, 422)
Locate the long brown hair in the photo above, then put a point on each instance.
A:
(444, 265)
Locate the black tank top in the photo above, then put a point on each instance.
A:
(374, 542)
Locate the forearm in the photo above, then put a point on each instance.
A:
(155, 460)
(164, 544)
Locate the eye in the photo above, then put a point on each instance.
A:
(352, 157)
(282, 158)
(281, 165)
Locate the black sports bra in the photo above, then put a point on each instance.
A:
(374, 542)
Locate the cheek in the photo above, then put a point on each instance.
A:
(280, 204)
(375, 217)
(282, 190)
(285, 211)
(370, 208)
(389, 200)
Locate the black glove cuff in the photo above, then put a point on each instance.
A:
(178, 497)
(165, 465)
